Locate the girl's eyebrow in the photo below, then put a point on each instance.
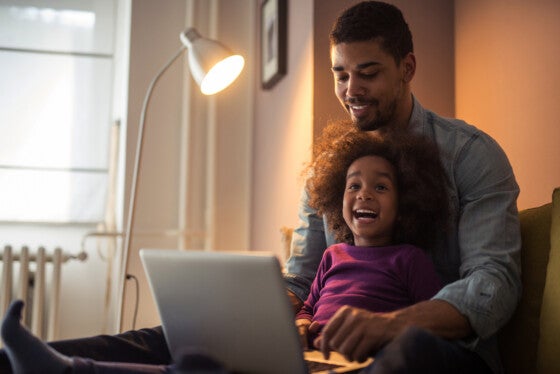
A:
(378, 174)
(358, 67)
(353, 174)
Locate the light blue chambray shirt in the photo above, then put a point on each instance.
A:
(479, 259)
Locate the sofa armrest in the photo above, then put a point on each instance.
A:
(518, 340)
(548, 360)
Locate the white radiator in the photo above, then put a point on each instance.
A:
(34, 278)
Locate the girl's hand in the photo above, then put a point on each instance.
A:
(303, 331)
(295, 301)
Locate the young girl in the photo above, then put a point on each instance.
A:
(384, 198)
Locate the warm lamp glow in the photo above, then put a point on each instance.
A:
(222, 75)
(212, 65)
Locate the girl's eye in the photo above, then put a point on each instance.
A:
(353, 186)
(381, 188)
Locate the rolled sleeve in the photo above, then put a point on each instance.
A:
(308, 244)
(488, 237)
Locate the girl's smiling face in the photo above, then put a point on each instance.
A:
(370, 203)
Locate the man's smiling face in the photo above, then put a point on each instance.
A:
(369, 83)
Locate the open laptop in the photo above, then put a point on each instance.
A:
(232, 305)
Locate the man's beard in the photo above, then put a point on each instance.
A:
(381, 120)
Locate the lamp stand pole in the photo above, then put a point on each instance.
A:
(132, 199)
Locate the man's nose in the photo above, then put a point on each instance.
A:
(355, 87)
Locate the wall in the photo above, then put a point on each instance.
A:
(231, 208)
(507, 82)
(282, 135)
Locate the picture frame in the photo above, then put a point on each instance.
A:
(273, 42)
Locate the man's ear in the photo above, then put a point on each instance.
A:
(408, 64)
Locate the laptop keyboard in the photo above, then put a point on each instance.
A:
(315, 366)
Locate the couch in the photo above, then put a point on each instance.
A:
(530, 342)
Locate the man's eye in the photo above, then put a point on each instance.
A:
(339, 78)
(370, 75)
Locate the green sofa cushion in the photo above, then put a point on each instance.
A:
(518, 340)
(548, 360)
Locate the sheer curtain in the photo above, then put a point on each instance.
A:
(56, 66)
(59, 102)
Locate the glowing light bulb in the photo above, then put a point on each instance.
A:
(222, 75)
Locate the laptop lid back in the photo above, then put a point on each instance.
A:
(230, 304)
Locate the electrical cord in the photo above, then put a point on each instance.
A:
(137, 301)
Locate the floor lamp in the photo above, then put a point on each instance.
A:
(213, 67)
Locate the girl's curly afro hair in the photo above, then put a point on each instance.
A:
(423, 203)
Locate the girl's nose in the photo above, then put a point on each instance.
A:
(365, 195)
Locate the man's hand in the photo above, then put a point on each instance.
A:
(296, 302)
(358, 333)
(355, 333)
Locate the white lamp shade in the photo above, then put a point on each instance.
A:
(212, 65)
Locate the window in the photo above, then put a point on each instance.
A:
(56, 68)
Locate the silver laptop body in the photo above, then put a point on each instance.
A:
(231, 304)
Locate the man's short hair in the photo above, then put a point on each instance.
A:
(371, 20)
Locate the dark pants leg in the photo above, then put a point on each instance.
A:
(418, 351)
(191, 360)
(144, 346)
(140, 351)
(88, 366)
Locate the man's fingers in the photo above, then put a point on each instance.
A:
(352, 332)
(336, 321)
(362, 350)
(315, 327)
(332, 330)
(346, 342)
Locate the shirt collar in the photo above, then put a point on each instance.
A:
(417, 117)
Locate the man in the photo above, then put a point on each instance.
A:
(373, 64)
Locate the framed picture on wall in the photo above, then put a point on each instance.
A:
(273, 42)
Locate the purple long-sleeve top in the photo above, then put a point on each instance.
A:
(379, 279)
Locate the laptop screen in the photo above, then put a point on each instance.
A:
(233, 305)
